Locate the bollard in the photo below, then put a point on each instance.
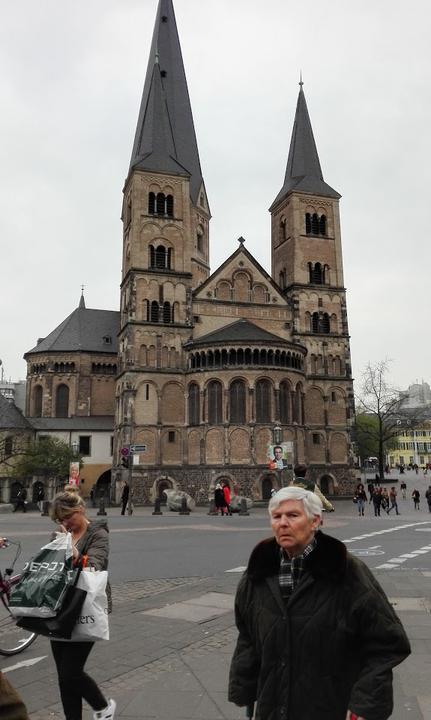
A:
(212, 509)
(45, 507)
(243, 507)
(184, 509)
(157, 510)
(101, 510)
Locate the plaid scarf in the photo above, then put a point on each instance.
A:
(291, 569)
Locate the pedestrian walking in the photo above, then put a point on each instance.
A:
(403, 487)
(125, 497)
(377, 501)
(416, 498)
(226, 493)
(21, 500)
(219, 500)
(428, 497)
(315, 627)
(361, 499)
(371, 491)
(393, 501)
(385, 499)
(89, 539)
(40, 497)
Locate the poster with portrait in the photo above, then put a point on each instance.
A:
(280, 456)
(74, 473)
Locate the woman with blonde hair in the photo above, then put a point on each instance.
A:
(89, 539)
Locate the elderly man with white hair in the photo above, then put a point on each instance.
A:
(318, 637)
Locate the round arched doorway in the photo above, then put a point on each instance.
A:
(103, 486)
(326, 484)
(162, 485)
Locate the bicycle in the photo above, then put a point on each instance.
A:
(13, 639)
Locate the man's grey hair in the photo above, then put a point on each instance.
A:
(312, 503)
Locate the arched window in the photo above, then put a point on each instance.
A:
(284, 402)
(151, 203)
(152, 258)
(169, 259)
(317, 274)
(169, 205)
(325, 327)
(194, 398)
(215, 403)
(160, 257)
(263, 401)
(37, 401)
(315, 224)
(200, 239)
(62, 402)
(282, 230)
(8, 446)
(160, 204)
(166, 312)
(154, 311)
(308, 223)
(237, 402)
(322, 225)
(315, 322)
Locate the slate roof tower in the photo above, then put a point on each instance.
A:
(307, 264)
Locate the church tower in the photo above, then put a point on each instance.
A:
(307, 264)
(165, 241)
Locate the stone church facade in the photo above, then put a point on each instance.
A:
(215, 367)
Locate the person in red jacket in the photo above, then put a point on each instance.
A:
(226, 493)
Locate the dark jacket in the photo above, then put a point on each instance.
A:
(11, 705)
(331, 647)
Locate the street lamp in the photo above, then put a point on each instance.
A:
(75, 447)
(277, 434)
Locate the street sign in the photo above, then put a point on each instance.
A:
(125, 451)
(138, 448)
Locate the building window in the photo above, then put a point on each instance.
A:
(154, 317)
(151, 203)
(315, 225)
(317, 273)
(284, 402)
(333, 397)
(37, 401)
(317, 438)
(194, 398)
(237, 402)
(160, 204)
(171, 436)
(111, 445)
(62, 402)
(263, 401)
(200, 239)
(8, 446)
(215, 406)
(85, 445)
(320, 323)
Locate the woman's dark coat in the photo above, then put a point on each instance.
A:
(331, 647)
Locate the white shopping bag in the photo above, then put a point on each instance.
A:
(92, 623)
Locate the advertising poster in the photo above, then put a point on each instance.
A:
(280, 456)
(74, 473)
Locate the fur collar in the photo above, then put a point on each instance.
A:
(328, 559)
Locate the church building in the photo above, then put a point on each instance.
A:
(215, 367)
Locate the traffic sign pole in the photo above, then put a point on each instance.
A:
(130, 478)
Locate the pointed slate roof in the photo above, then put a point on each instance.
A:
(165, 139)
(84, 330)
(11, 417)
(303, 171)
(237, 332)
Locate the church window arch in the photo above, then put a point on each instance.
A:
(320, 323)
(154, 317)
(263, 401)
(282, 229)
(170, 205)
(322, 225)
(284, 402)
(37, 401)
(62, 401)
(194, 409)
(215, 403)
(167, 317)
(237, 402)
(308, 223)
(315, 224)
(151, 203)
(160, 257)
(200, 238)
(160, 203)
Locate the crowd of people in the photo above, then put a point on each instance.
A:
(383, 500)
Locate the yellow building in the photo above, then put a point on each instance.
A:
(412, 446)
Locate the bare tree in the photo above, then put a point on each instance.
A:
(380, 402)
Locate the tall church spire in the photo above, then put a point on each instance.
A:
(303, 171)
(165, 139)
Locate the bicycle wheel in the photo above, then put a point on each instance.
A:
(13, 639)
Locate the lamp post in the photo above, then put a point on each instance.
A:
(277, 436)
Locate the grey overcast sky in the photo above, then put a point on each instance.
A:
(71, 78)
